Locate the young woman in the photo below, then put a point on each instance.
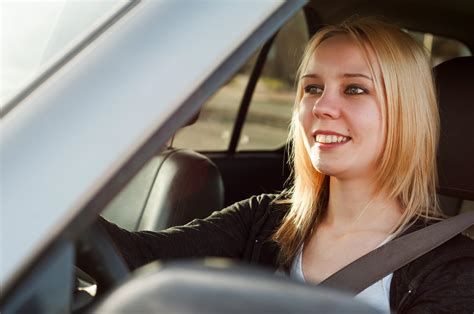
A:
(364, 133)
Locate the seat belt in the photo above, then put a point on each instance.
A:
(386, 259)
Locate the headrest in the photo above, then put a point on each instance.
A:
(455, 85)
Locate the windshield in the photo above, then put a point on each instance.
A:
(36, 34)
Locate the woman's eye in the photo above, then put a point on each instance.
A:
(354, 90)
(313, 90)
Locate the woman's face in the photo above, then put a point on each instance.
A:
(339, 112)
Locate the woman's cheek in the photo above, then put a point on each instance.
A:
(305, 114)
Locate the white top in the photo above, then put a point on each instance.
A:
(377, 295)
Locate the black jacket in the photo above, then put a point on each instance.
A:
(441, 281)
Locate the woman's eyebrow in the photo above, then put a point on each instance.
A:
(311, 75)
(315, 76)
(357, 75)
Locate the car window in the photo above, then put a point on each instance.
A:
(441, 48)
(212, 131)
(35, 33)
(266, 126)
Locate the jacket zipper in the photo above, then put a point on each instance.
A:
(409, 293)
(256, 251)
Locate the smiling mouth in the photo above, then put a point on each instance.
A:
(330, 139)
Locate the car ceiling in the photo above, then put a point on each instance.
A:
(449, 18)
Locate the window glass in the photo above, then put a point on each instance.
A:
(35, 33)
(212, 131)
(267, 122)
(441, 48)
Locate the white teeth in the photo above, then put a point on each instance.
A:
(327, 139)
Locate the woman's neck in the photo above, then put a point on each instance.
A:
(352, 207)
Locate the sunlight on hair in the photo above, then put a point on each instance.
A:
(407, 167)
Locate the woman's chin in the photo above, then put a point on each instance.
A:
(329, 170)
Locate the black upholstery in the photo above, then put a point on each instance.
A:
(175, 187)
(187, 186)
(455, 85)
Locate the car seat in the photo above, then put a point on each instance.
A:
(455, 82)
(173, 188)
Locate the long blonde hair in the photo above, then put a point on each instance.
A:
(407, 166)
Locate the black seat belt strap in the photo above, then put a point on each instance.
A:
(386, 259)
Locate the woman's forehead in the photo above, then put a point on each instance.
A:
(340, 54)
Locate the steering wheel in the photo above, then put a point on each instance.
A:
(99, 266)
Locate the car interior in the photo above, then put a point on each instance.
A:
(159, 285)
(208, 179)
(188, 180)
(237, 147)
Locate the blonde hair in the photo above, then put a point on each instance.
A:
(407, 165)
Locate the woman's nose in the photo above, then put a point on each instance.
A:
(327, 106)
